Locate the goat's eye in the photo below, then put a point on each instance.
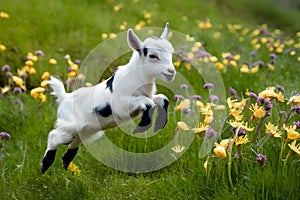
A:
(153, 56)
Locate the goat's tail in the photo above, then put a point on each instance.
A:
(58, 89)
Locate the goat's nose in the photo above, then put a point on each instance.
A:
(171, 70)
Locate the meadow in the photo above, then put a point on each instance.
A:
(244, 130)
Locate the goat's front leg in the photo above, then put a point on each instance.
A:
(142, 104)
(162, 103)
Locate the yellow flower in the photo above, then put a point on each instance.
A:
(104, 35)
(182, 125)
(118, 7)
(241, 140)
(220, 151)
(295, 99)
(254, 70)
(258, 111)
(5, 89)
(244, 68)
(178, 148)
(185, 104)
(2, 47)
(202, 127)
(38, 94)
(268, 93)
(147, 15)
(52, 61)
(219, 66)
(241, 124)
(19, 82)
(74, 169)
(45, 76)
(295, 148)
(291, 132)
(44, 83)
(4, 15)
(272, 129)
(236, 108)
(177, 63)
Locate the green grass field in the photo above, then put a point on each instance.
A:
(253, 45)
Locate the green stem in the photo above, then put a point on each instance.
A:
(265, 141)
(231, 142)
(257, 130)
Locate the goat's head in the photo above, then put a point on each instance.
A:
(155, 55)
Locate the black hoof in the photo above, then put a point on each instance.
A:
(146, 121)
(48, 160)
(162, 116)
(68, 157)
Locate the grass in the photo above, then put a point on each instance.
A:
(61, 27)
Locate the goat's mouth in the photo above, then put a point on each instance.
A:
(169, 77)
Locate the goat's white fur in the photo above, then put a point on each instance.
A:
(133, 89)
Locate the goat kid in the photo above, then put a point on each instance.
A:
(128, 93)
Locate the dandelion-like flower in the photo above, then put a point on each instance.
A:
(178, 148)
(292, 134)
(294, 147)
(74, 169)
(183, 126)
(272, 129)
(258, 111)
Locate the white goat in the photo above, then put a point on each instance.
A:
(128, 93)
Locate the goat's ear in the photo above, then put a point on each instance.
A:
(133, 40)
(165, 34)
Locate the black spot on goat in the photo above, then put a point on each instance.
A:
(109, 83)
(103, 111)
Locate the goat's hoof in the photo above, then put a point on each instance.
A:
(48, 160)
(68, 157)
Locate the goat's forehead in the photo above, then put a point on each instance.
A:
(158, 43)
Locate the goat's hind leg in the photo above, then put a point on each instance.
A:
(55, 138)
(71, 152)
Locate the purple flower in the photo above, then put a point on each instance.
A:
(242, 132)
(281, 88)
(5, 135)
(18, 101)
(260, 100)
(253, 53)
(23, 75)
(77, 61)
(9, 74)
(213, 98)
(273, 56)
(261, 159)
(296, 109)
(178, 97)
(17, 90)
(232, 91)
(210, 133)
(259, 63)
(268, 105)
(208, 86)
(186, 110)
(39, 53)
(196, 97)
(297, 124)
(6, 68)
(184, 86)
(253, 95)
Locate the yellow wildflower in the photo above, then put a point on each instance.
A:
(241, 140)
(220, 151)
(19, 82)
(236, 108)
(268, 93)
(5, 89)
(74, 169)
(272, 129)
(185, 104)
(258, 111)
(52, 61)
(177, 63)
(219, 66)
(182, 125)
(4, 15)
(202, 127)
(291, 132)
(2, 47)
(254, 70)
(241, 124)
(295, 148)
(118, 7)
(178, 148)
(45, 76)
(38, 94)
(295, 99)
(244, 68)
